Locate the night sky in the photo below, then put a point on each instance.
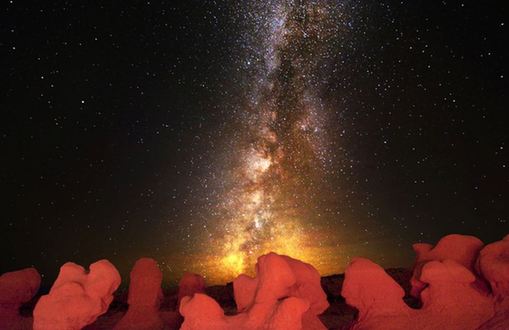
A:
(206, 133)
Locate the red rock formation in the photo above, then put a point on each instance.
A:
(451, 300)
(307, 286)
(269, 301)
(376, 296)
(460, 248)
(17, 288)
(190, 284)
(77, 297)
(493, 264)
(446, 283)
(144, 298)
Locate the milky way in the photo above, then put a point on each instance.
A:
(281, 153)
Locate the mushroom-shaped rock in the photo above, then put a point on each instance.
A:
(77, 297)
(16, 288)
(274, 276)
(448, 284)
(265, 302)
(144, 297)
(461, 248)
(375, 294)
(190, 284)
(306, 285)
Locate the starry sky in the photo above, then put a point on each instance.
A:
(206, 133)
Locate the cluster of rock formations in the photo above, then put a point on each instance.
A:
(285, 294)
(460, 283)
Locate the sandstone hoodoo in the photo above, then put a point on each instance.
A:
(77, 298)
(144, 298)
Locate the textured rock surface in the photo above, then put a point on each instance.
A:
(77, 298)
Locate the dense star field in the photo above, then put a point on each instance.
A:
(206, 133)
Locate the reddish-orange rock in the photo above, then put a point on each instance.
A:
(144, 297)
(16, 288)
(190, 284)
(77, 297)
(271, 300)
